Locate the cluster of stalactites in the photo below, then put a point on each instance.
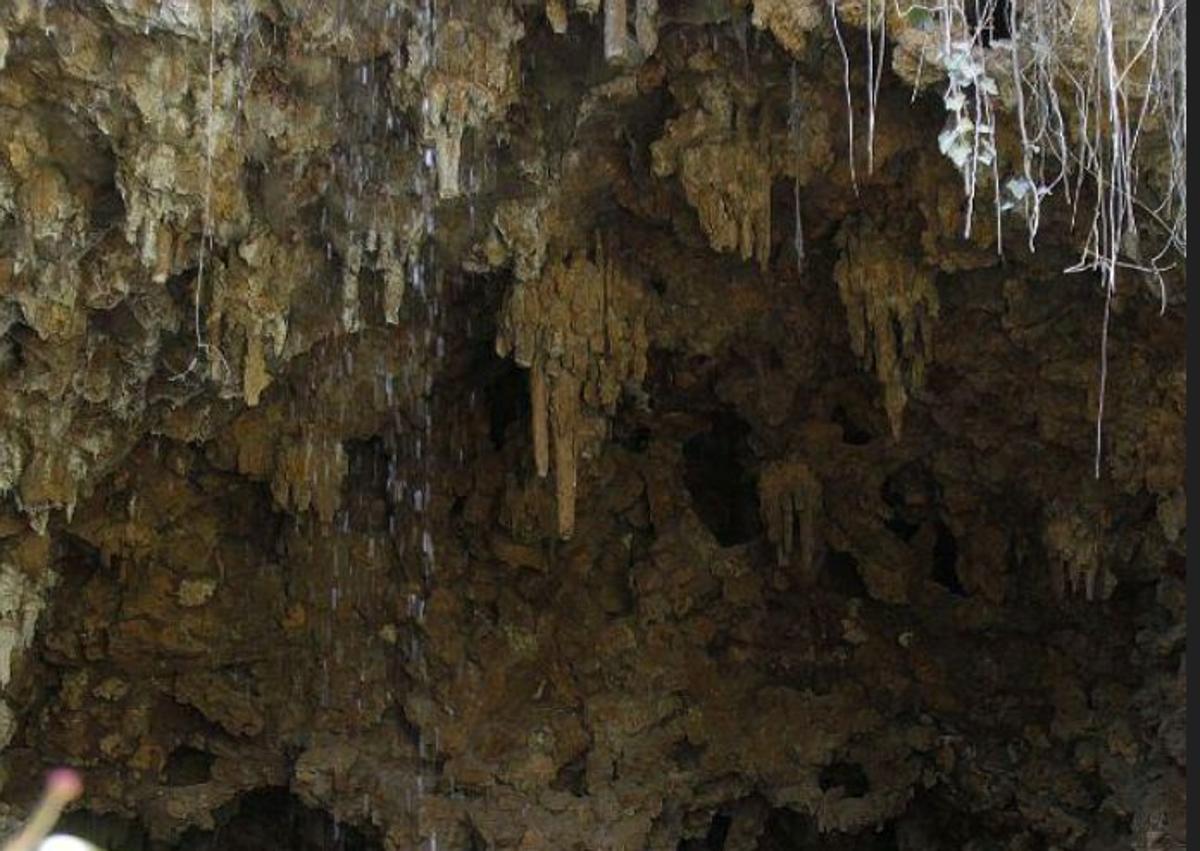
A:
(390, 251)
(722, 157)
(891, 302)
(1073, 541)
(309, 474)
(580, 331)
(789, 500)
(463, 70)
(619, 48)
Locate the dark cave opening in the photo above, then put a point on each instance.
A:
(901, 528)
(275, 818)
(714, 839)
(572, 777)
(188, 766)
(506, 395)
(687, 755)
(847, 776)
(634, 437)
(945, 562)
(852, 433)
(263, 819)
(475, 839)
(840, 574)
(911, 493)
(717, 476)
(367, 464)
(789, 830)
(20, 344)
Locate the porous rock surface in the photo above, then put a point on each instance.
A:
(431, 419)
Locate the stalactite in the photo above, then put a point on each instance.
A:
(249, 303)
(309, 474)
(539, 402)
(891, 302)
(447, 141)
(564, 403)
(556, 14)
(22, 599)
(724, 166)
(463, 74)
(254, 372)
(616, 21)
(351, 320)
(579, 328)
(1074, 542)
(162, 255)
(645, 25)
(216, 323)
(790, 496)
(395, 280)
(792, 22)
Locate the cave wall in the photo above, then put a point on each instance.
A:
(492, 432)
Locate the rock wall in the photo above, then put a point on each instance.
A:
(523, 425)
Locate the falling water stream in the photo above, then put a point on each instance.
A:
(411, 480)
(376, 138)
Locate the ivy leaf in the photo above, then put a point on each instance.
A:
(920, 18)
(947, 139)
(1018, 187)
(959, 153)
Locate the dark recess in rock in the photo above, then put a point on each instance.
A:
(718, 477)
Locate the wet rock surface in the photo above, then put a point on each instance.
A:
(513, 425)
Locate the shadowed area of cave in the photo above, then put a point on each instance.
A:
(591, 424)
(266, 819)
(718, 479)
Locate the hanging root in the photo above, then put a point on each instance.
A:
(1089, 79)
(837, 31)
(794, 131)
(204, 349)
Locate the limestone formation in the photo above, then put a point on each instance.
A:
(517, 425)
(462, 70)
(790, 497)
(580, 332)
(723, 163)
(1074, 539)
(891, 305)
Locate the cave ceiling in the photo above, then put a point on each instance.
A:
(560, 425)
